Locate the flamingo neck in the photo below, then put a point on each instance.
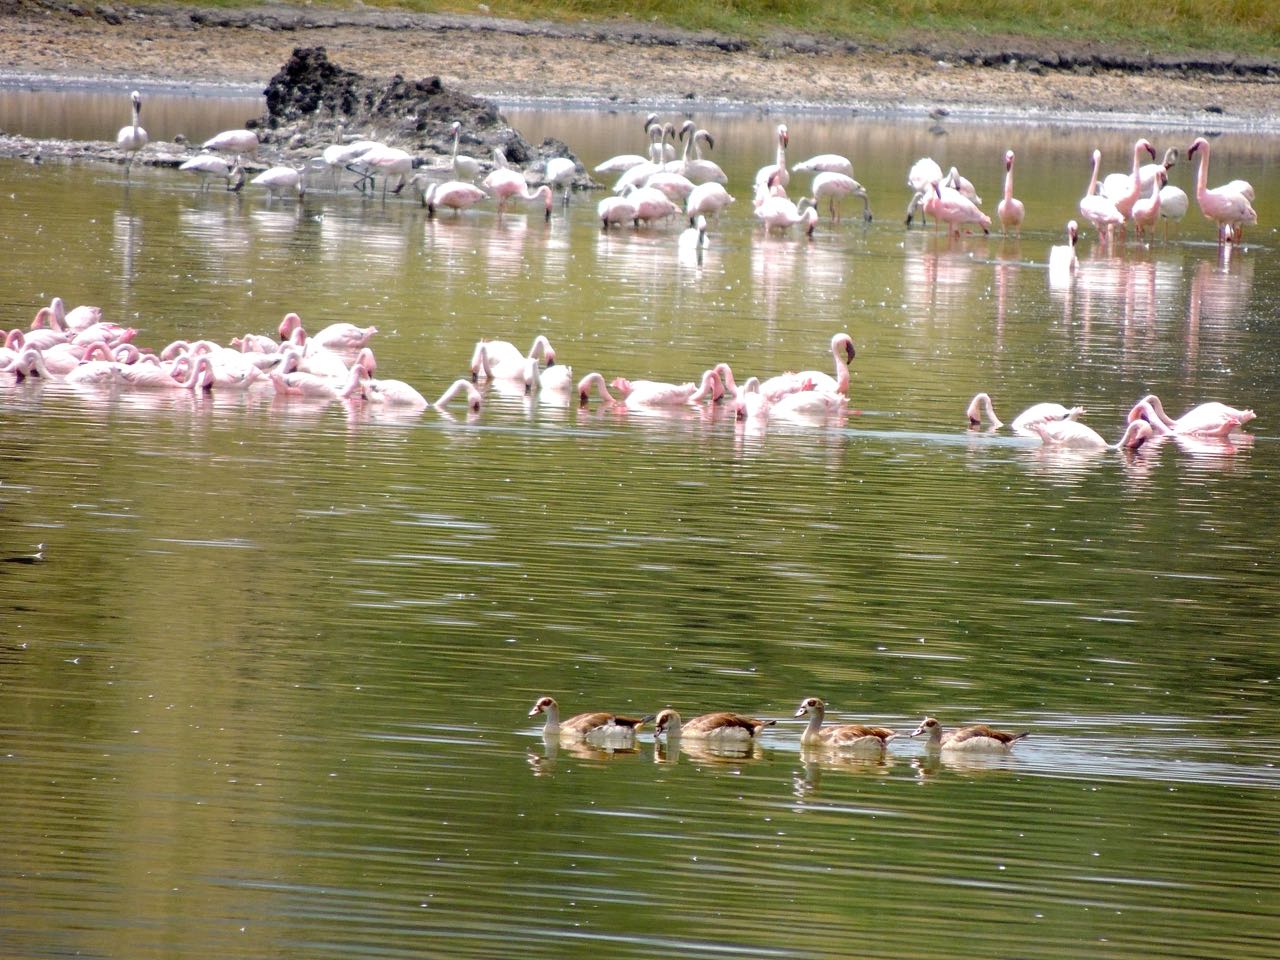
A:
(1008, 183)
(1202, 177)
(1093, 177)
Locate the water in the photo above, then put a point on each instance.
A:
(265, 693)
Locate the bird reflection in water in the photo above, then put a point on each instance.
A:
(1221, 291)
(706, 752)
(937, 275)
(555, 748)
(819, 760)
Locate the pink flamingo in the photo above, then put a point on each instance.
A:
(1124, 189)
(1036, 413)
(1098, 210)
(594, 382)
(1010, 210)
(233, 141)
(836, 186)
(807, 404)
(1146, 211)
(475, 400)
(842, 352)
(74, 321)
(454, 194)
(1227, 206)
(1207, 419)
(501, 360)
(29, 362)
(777, 169)
(388, 161)
(505, 184)
(336, 336)
(1070, 433)
(779, 213)
(652, 393)
(555, 383)
(924, 173)
(651, 204)
(98, 368)
(707, 199)
(953, 208)
(615, 210)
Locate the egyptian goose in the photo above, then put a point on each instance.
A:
(852, 736)
(721, 727)
(598, 724)
(977, 738)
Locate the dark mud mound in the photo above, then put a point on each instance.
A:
(311, 96)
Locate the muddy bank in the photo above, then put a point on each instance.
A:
(625, 62)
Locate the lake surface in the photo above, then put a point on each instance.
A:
(265, 666)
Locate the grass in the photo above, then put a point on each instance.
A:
(1175, 26)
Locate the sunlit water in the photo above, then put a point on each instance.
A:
(264, 689)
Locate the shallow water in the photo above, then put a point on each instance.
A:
(265, 689)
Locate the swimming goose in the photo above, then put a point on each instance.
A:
(598, 724)
(848, 736)
(722, 727)
(979, 737)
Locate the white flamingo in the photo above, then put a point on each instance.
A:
(464, 167)
(1010, 210)
(475, 399)
(835, 186)
(981, 405)
(776, 171)
(502, 360)
(1207, 419)
(1075, 435)
(132, 138)
(651, 393)
(233, 142)
(707, 199)
(280, 180)
(505, 184)
(1062, 257)
(924, 173)
(207, 165)
(1098, 210)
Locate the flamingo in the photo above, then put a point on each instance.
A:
(651, 393)
(303, 384)
(553, 383)
(27, 363)
(1206, 419)
(707, 198)
(1071, 433)
(594, 382)
(388, 161)
(693, 166)
(676, 187)
(1147, 210)
(501, 360)
(208, 165)
(625, 161)
(391, 393)
(1173, 206)
(805, 404)
(505, 183)
(693, 240)
(233, 142)
(336, 336)
(834, 186)
(955, 209)
(1098, 210)
(560, 172)
(1062, 257)
(78, 319)
(842, 354)
(1010, 210)
(132, 138)
(464, 167)
(778, 169)
(1147, 172)
(957, 182)
(1227, 206)
(615, 210)
(779, 213)
(924, 173)
(825, 163)
(475, 399)
(457, 195)
(280, 180)
(1036, 413)
(341, 156)
(638, 173)
(1124, 189)
(651, 204)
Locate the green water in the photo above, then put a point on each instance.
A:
(265, 692)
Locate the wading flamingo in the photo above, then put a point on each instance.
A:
(464, 167)
(953, 208)
(1010, 210)
(835, 186)
(1147, 210)
(505, 184)
(1098, 210)
(208, 166)
(132, 138)
(924, 173)
(1124, 189)
(707, 199)
(457, 195)
(1227, 206)
(233, 142)
(777, 169)
(1062, 257)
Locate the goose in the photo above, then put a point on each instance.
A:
(723, 727)
(848, 736)
(597, 724)
(977, 738)
(1036, 413)
(132, 138)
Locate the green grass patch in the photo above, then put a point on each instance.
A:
(1177, 26)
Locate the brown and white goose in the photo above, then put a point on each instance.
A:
(596, 725)
(721, 727)
(976, 738)
(848, 736)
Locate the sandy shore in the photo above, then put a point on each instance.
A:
(625, 63)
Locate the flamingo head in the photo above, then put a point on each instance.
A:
(1008, 159)
(706, 138)
(1073, 232)
(290, 323)
(1146, 145)
(686, 129)
(843, 339)
(974, 413)
(136, 98)
(1170, 157)
(784, 138)
(1246, 415)
(1138, 433)
(1162, 177)
(543, 704)
(1196, 145)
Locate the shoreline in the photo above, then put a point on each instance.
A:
(635, 66)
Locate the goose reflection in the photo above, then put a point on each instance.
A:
(703, 751)
(554, 748)
(816, 761)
